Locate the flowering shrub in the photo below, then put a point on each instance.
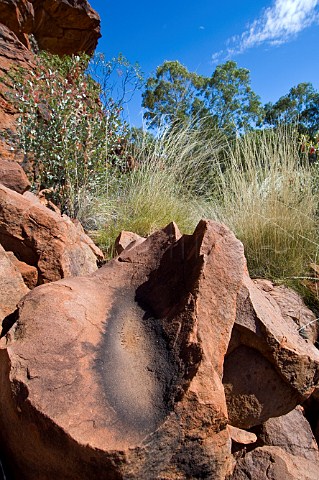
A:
(68, 135)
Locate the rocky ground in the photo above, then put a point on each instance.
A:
(169, 362)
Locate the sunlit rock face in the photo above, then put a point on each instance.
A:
(269, 366)
(62, 27)
(121, 371)
(44, 239)
(152, 367)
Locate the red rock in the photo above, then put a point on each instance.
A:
(85, 239)
(292, 433)
(126, 240)
(44, 239)
(28, 273)
(269, 367)
(40, 199)
(292, 306)
(62, 27)
(66, 27)
(274, 463)
(12, 287)
(18, 16)
(13, 176)
(241, 436)
(120, 372)
(290, 450)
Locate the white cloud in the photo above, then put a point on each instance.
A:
(277, 24)
(218, 56)
(202, 27)
(280, 22)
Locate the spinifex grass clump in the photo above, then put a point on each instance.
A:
(259, 186)
(172, 176)
(266, 197)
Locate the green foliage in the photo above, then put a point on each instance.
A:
(173, 93)
(148, 201)
(226, 100)
(254, 183)
(231, 100)
(70, 137)
(299, 107)
(257, 186)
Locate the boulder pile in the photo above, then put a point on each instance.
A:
(169, 362)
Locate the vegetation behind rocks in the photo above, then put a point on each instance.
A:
(112, 177)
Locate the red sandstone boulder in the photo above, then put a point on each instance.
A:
(44, 239)
(292, 433)
(292, 306)
(63, 27)
(289, 451)
(13, 176)
(28, 273)
(274, 463)
(240, 436)
(126, 240)
(18, 16)
(119, 374)
(66, 27)
(269, 367)
(12, 286)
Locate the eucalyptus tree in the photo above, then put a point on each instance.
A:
(224, 100)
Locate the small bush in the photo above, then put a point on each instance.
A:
(68, 135)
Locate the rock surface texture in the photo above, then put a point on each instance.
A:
(65, 27)
(126, 240)
(62, 27)
(119, 373)
(29, 274)
(269, 367)
(18, 16)
(289, 451)
(12, 287)
(118, 369)
(292, 433)
(292, 307)
(274, 463)
(43, 239)
(13, 176)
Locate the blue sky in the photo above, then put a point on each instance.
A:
(277, 40)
